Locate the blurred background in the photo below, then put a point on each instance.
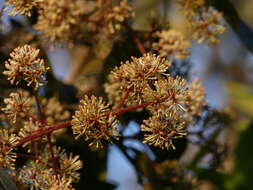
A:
(217, 154)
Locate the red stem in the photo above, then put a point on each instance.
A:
(50, 129)
(127, 109)
(55, 168)
(30, 116)
(124, 97)
(43, 131)
(140, 45)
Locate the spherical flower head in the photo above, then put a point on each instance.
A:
(137, 74)
(172, 44)
(168, 94)
(93, 121)
(7, 143)
(68, 163)
(25, 64)
(161, 130)
(16, 104)
(60, 20)
(22, 7)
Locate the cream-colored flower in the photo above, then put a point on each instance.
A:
(61, 20)
(172, 44)
(161, 130)
(93, 121)
(68, 163)
(7, 144)
(137, 74)
(168, 94)
(16, 104)
(25, 64)
(205, 23)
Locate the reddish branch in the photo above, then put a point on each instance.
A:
(124, 97)
(43, 131)
(49, 129)
(42, 119)
(140, 46)
(29, 116)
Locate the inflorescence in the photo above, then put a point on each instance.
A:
(141, 83)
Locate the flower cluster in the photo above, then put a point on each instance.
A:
(136, 75)
(7, 143)
(16, 104)
(94, 121)
(37, 174)
(170, 100)
(204, 22)
(117, 15)
(171, 44)
(162, 129)
(65, 20)
(22, 7)
(59, 20)
(25, 64)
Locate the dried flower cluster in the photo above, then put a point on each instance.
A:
(22, 7)
(172, 44)
(25, 64)
(93, 121)
(204, 22)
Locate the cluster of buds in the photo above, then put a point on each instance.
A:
(60, 20)
(171, 44)
(65, 21)
(205, 23)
